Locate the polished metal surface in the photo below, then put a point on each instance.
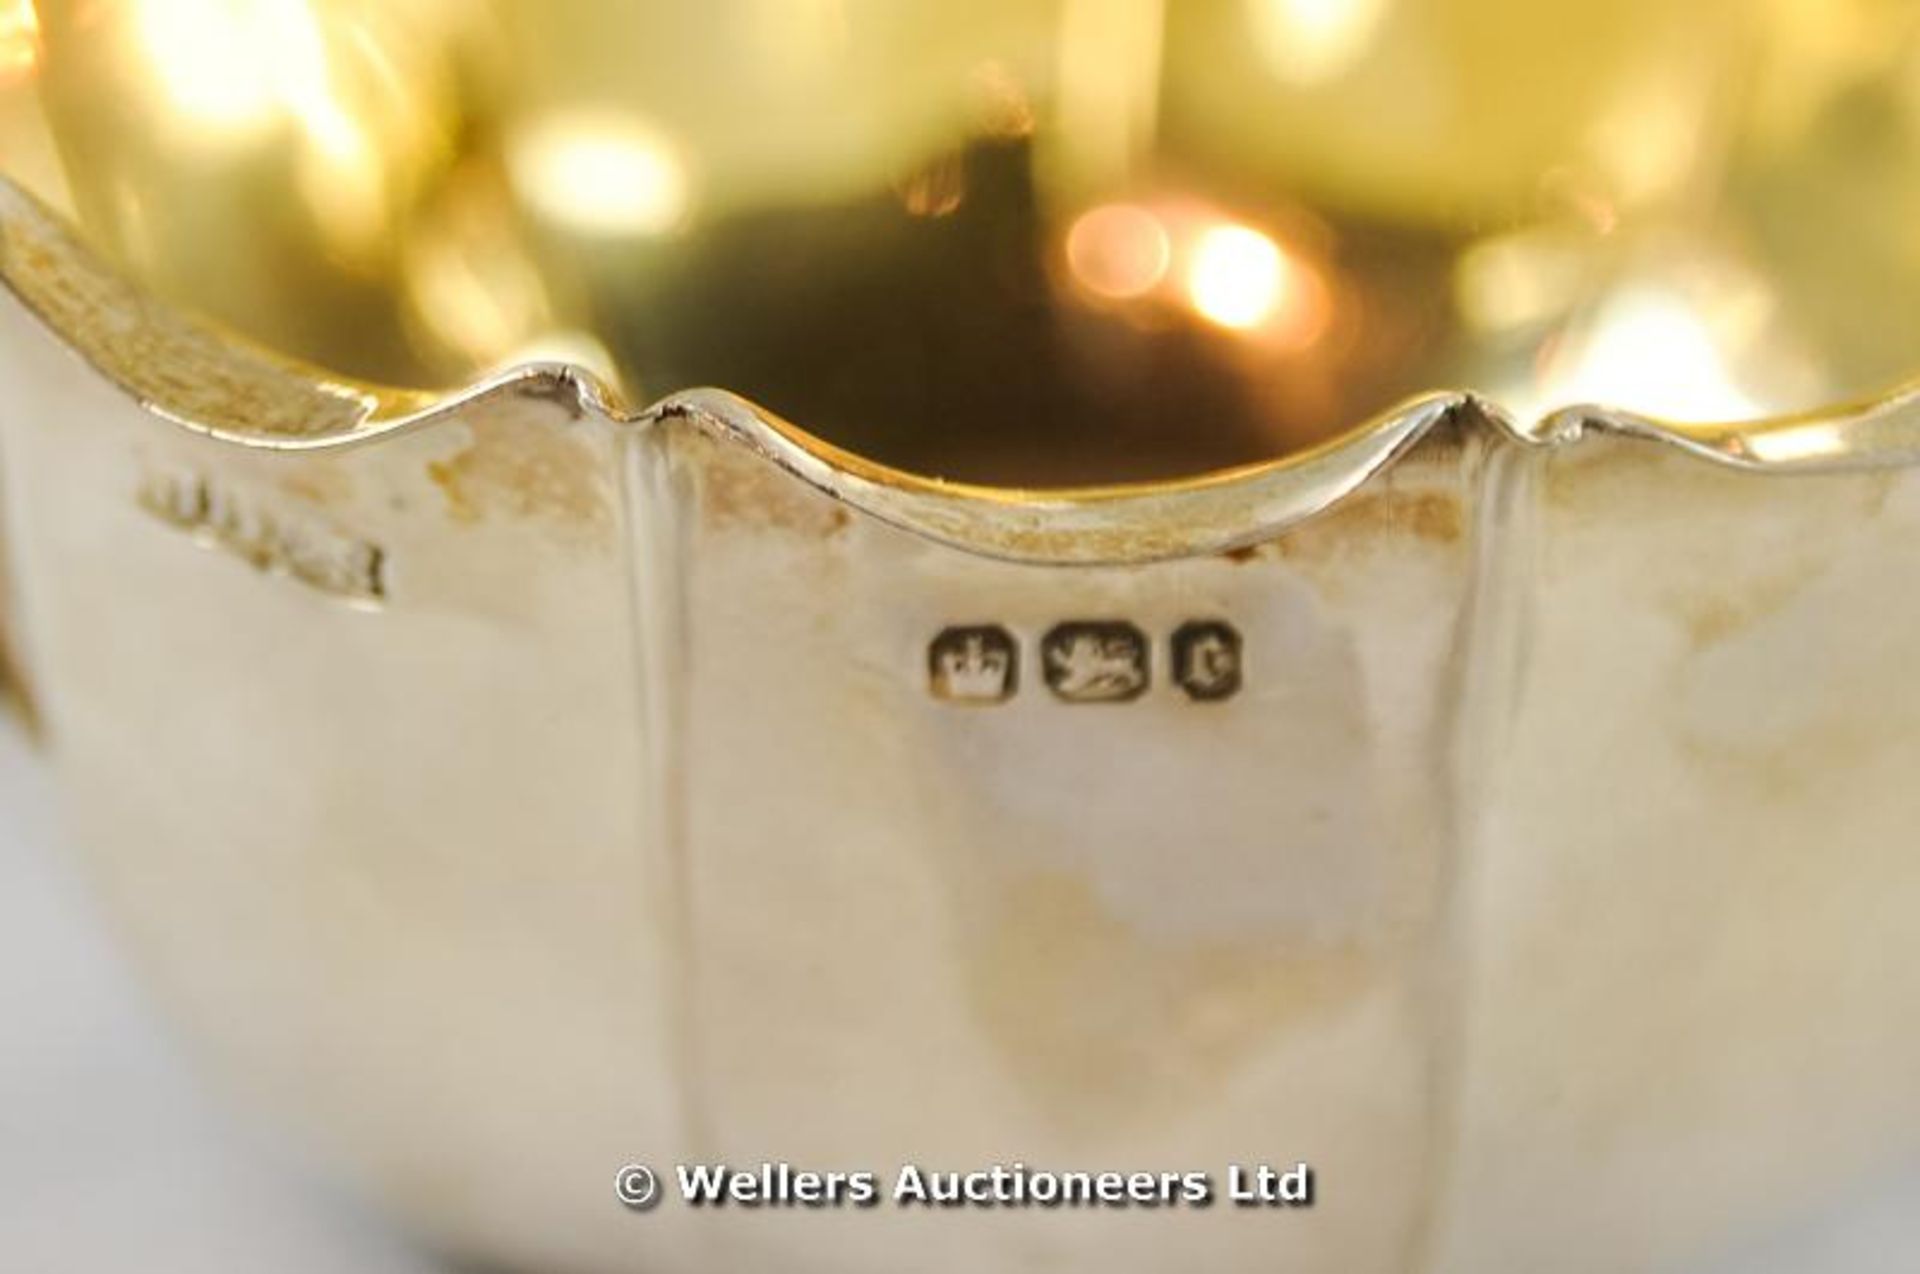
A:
(430, 748)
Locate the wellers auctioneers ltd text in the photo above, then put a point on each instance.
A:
(781, 1185)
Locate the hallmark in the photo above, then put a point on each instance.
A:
(1095, 662)
(978, 664)
(275, 540)
(1206, 660)
(1086, 661)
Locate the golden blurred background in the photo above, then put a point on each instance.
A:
(1015, 240)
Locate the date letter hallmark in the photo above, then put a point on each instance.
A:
(277, 540)
(1206, 660)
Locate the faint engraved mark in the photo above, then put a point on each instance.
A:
(1095, 662)
(977, 664)
(1207, 661)
(292, 543)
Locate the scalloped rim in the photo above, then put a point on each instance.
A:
(1212, 512)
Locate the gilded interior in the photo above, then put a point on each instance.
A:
(1023, 242)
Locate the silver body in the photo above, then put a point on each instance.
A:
(523, 787)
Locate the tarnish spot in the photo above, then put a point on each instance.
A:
(1107, 1029)
(742, 491)
(1431, 517)
(521, 470)
(1712, 618)
(323, 485)
(1788, 695)
(1434, 517)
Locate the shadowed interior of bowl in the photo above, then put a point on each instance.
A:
(1015, 241)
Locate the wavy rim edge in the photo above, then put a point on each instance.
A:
(215, 384)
